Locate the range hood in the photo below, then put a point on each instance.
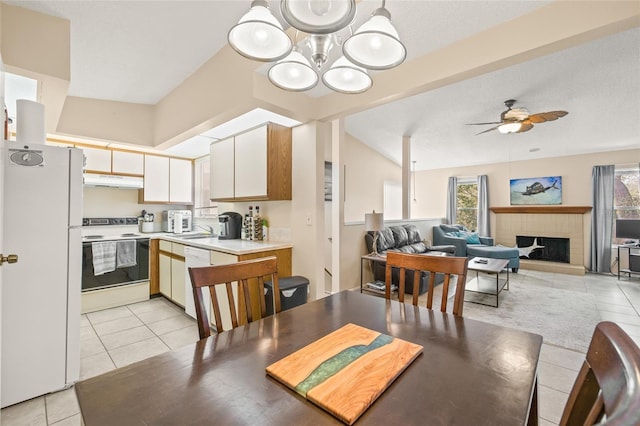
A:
(113, 181)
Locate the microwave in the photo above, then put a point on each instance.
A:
(176, 221)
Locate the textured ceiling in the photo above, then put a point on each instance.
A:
(138, 51)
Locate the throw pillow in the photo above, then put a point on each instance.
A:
(451, 228)
(471, 237)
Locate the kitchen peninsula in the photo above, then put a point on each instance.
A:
(172, 254)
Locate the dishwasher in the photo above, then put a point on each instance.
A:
(194, 258)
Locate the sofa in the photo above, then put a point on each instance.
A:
(405, 239)
(470, 244)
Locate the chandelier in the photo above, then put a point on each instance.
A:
(374, 46)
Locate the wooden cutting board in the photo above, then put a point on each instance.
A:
(345, 371)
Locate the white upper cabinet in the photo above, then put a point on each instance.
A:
(251, 163)
(252, 166)
(180, 181)
(156, 179)
(221, 163)
(97, 159)
(167, 180)
(128, 163)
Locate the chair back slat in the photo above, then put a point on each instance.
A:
(607, 388)
(446, 265)
(249, 276)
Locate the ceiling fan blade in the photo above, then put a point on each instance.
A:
(488, 130)
(482, 124)
(525, 127)
(547, 116)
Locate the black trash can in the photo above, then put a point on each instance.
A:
(293, 292)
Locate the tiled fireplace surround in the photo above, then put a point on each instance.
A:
(544, 221)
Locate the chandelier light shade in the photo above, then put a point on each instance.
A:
(376, 44)
(346, 77)
(259, 36)
(318, 16)
(293, 73)
(509, 127)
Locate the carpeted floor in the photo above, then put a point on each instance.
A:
(564, 318)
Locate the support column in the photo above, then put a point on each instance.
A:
(337, 204)
(406, 177)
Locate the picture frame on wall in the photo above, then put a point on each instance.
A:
(327, 181)
(540, 190)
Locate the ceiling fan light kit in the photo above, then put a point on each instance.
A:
(518, 120)
(374, 46)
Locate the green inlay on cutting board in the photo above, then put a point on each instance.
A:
(339, 361)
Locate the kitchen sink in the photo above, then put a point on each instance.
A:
(193, 236)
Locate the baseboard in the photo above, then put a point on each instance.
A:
(561, 268)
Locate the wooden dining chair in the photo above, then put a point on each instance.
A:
(249, 275)
(446, 265)
(607, 389)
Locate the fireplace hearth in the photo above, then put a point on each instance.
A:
(549, 249)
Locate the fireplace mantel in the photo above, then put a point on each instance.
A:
(542, 209)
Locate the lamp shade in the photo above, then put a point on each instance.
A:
(293, 73)
(376, 44)
(346, 77)
(318, 16)
(259, 36)
(509, 127)
(374, 221)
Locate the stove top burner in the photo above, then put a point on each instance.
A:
(130, 234)
(93, 237)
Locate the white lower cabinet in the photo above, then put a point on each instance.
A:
(171, 271)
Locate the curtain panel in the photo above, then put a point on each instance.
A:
(452, 199)
(483, 206)
(602, 197)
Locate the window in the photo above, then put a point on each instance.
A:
(467, 203)
(203, 205)
(626, 198)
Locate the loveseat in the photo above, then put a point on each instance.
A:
(470, 244)
(405, 239)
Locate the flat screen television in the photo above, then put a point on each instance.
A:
(628, 229)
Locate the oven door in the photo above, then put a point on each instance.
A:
(121, 276)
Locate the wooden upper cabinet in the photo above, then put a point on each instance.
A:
(128, 163)
(253, 166)
(97, 159)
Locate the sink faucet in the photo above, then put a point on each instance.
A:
(207, 228)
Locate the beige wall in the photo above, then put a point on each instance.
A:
(431, 186)
(115, 202)
(366, 172)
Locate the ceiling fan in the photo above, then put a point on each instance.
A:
(518, 120)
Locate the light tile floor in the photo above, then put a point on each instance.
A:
(116, 337)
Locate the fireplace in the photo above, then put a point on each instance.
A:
(557, 221)
(548, 249)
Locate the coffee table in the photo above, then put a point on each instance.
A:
(486, 285)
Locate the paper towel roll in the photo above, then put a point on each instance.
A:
(30, 122)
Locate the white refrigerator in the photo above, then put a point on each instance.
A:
(41, 292)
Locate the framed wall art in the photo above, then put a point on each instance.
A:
(327, 181)
(540, 190)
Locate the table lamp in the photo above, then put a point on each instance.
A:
(374, 222)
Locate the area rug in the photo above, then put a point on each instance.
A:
(564, 318)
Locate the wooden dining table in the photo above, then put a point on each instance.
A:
(469, 373)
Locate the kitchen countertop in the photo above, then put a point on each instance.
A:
(235, 247)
